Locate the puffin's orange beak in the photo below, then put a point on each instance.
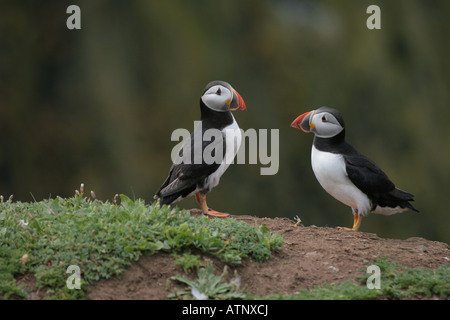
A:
(303, 122)
(237, 103)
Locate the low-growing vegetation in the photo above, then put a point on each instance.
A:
(103, 238)
(396, 282)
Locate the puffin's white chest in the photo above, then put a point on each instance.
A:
(329, 169)
(232, 138)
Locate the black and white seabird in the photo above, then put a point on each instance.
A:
(195, 177)
(346, 174)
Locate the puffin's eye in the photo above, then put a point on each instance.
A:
(324, 119)
(219, 92)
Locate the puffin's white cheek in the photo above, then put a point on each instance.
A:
(215, 102)
(327, 130)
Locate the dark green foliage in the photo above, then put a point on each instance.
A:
(397, 282)
(103, 239)
(209, 286)
(400, 282)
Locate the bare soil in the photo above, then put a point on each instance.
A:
(311, 256)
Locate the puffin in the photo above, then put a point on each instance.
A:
(346, 174)
(191, 172)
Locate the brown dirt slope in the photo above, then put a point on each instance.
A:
(311, 256)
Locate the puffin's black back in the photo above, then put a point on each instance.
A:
(185, 178)
(362, 171)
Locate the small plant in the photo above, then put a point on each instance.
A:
(188, 261)
(209, 286)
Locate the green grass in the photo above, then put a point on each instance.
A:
(396, 282)
(103, 238)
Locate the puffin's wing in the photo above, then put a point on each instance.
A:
(366, 175)
(184, 175)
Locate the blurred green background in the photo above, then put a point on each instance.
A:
(98, 105)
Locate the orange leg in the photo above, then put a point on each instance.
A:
(201, 199)
(197, 196)
(357, 219)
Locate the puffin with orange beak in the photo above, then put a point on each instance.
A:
(346, 174)
(191, 173)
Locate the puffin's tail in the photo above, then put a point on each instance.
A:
(401, 198)
(166, 200)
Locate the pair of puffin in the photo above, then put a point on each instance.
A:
(343, 172)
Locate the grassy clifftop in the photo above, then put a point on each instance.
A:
(53, 239)
(101, 239)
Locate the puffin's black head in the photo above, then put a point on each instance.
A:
(220, 96)
(324, 122)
